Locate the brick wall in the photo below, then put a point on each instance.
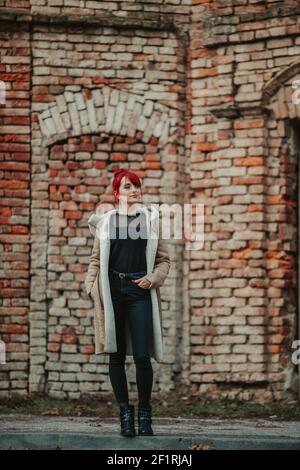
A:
(100, 96)
(120, 8)
(243, 167)
(15, 4)
(196, 97)
(15, 206)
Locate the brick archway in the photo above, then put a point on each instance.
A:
(85, 134)
(106, 110)
(282, 236)
(249, 308)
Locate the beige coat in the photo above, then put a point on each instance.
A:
(98, 287)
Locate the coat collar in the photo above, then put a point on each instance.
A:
(99, 223)
(131, 211)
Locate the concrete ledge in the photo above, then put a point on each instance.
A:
(84, 433)
(81, 441)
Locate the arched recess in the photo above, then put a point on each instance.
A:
(279, 99)
(85, 134)
(274, 207)
(106, 110)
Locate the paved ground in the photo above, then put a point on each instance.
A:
(51, 432)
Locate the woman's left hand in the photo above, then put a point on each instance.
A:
(143, 282)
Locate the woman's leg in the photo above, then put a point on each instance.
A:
(118, 379)
(117, 372)
(139, 310)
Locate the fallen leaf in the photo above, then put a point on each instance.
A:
(201, 447)
(52, 412)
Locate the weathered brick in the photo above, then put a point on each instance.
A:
(235, 159)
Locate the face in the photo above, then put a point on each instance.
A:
(128, 193)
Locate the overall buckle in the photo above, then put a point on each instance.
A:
(122, 275)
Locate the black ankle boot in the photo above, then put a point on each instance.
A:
(144, 420)
(127, 420)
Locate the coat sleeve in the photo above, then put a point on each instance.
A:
(161, 265)
(94, 266)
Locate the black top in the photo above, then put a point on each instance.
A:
(128, 240)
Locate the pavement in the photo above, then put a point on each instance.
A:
(19, 431)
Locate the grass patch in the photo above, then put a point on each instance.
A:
(166, 406)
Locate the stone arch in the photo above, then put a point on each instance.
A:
(92, 117)
(281, 205)
(105, 110)
(279, 80)
(273, 199)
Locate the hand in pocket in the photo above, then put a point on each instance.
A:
(142, 282)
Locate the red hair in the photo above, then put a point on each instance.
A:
(119, 174)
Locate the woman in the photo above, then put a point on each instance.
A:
(128, 265)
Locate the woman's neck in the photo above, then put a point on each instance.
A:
(130, 209)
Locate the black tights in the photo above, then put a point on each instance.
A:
(144, 378)
(133, 303)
